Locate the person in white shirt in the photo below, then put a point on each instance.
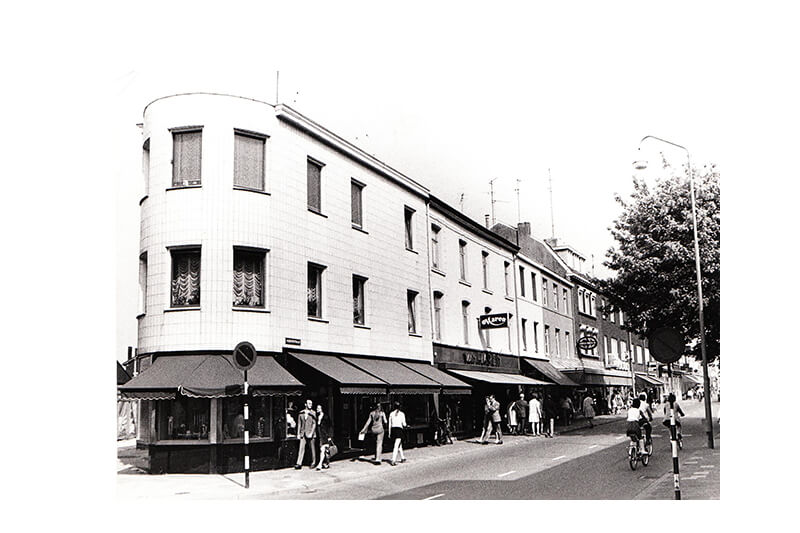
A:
(678, 413)
(397, 428)
(635, 417)
(647, 412)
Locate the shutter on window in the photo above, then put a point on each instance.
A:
(248, 167)
(186, 158)
(314, 186)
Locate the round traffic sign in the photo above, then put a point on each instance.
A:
(666, 345)
(587, 342)
(244, 356)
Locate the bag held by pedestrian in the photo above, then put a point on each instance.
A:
(332, 449)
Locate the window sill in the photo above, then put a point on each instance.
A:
(509, 298)
(179, 187)
(411, 250)
(589, 356)
(252, 440)
(183, 442)
(437, 271)
(414, 335)
(487, 291)
(587, 315)
(145, 197)
(361, 326)
(318, 319)
(187, 308)
(465, 282)
(317, 212)
(250, 309)
(246, 189)
(359, 228)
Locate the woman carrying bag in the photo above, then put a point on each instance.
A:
(374, 425)
(326, 445)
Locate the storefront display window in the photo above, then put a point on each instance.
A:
(259, 419)
(183, 419)
(416, 408)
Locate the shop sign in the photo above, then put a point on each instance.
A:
(587, 342)
(499, 320)
(289, 341)
(482, 358)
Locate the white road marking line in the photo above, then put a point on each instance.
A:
(434, 497)
(593, 446)
(559, 457)
(507, 473)
(620, 437)
(706, 466)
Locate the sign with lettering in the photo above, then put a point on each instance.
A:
(499, 320)
(587, 342)
(289, 341)
(482, 358)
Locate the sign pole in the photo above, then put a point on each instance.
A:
(246, 436)
(673, 438)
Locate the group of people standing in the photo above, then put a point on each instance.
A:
(314, 429)
(521, 415)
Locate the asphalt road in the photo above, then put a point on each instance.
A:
(588, 464)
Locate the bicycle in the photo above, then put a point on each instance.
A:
(635, 455)
(678, 435)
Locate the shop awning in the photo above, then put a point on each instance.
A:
(401, 379)
(650, 380)
(450, 385)
(550, 372)
(351, 380)
(603, 379)
(691, 378)
(499, 378)
(208, 376)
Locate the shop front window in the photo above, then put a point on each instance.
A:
(183, 419)
(416, 407)
(259, 418)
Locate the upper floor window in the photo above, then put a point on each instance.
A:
(437, 315)
(409, 226)
(544, 292)
(359, 316)
(143, 283)
(411, 300)
(536, 337)
(435, 230)
(558, 341)
(185, 277)
(314, 184)
(506, 277)
(465, 320)
(555, 296)
(462, 259)
(620, 318)
(614, 316)
(565, 300)
(533, 285)
(522, 281)
(567, 343)
(524, 332)
(248, 160)
(487, 332)
(314, 293)
(186, 156)
(485, 267)
(592, 306)
(356, 203)
(146, 166)
(248, 277)
(547, 339)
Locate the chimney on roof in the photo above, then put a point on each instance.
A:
(552, 242)
(524, 228)
(487, 220)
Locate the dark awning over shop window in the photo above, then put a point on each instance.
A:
(208, 376)
(499, 378)
(550, 372)
(692, 379)
(351, 379)
(400, 378)
(600, 377)
(650, 380)
(450, 385)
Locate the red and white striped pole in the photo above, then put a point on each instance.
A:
(673, 438)
(246, 436)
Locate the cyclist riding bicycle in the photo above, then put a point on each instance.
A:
(678, 413)
(635, 421)
(647, 411)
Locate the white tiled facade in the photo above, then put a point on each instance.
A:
(217, 217)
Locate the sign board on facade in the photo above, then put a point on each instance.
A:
(499, 320)
(587, 342)
(482, 358)
(244, 356)
(289, 341)
(666, 345)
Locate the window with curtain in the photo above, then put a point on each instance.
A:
(462, 259)
(565, 300)
(437, 315)
(314, 185)
(248, 160)
(411, 298)
(555, 296)
(465, 320)
(544, 291)
(185, 277)
(435, 246)
(356, 203)
(358, 300)
(485, 265)
(248, 278)
(547, 339)
(409, 226)
(186, 157)
(315, 290)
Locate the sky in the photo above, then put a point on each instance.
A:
(546, 96)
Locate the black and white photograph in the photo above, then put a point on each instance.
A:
(414, 252)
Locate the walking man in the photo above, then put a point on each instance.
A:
(588, 409)
(306, 433)
(521, 408)
(535, 409)
(496, 425)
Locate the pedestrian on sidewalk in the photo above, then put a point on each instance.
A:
(495, 409)
(566, 410)
(535, 416)
(397, 429)
(487, 421)
(588, 409)
(619, 403)
(548, 415)
(512, 419)
(521, 409)
(374, 424)
(324, 435)
(306, 433)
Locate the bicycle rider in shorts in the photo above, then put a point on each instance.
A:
(647, 412)
(635, 420)
(678, 413)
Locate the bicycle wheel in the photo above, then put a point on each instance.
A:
(649, 448)
(680, 443)
(632, 457)
(645, 459)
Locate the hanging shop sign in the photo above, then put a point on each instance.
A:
(587, 343)
(499, 320)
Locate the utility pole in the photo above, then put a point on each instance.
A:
(491, 194)
(552, 219)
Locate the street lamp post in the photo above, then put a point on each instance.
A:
(641, 164)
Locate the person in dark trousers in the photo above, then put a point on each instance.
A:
(307, 433)
(496, 420)
(375, 424)
(397, 428)
(548, 414)
(324, 434)
(521, 408)
(487, 421)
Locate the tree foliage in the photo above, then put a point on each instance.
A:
(655, 280)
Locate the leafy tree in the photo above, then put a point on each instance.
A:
(655, 280)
